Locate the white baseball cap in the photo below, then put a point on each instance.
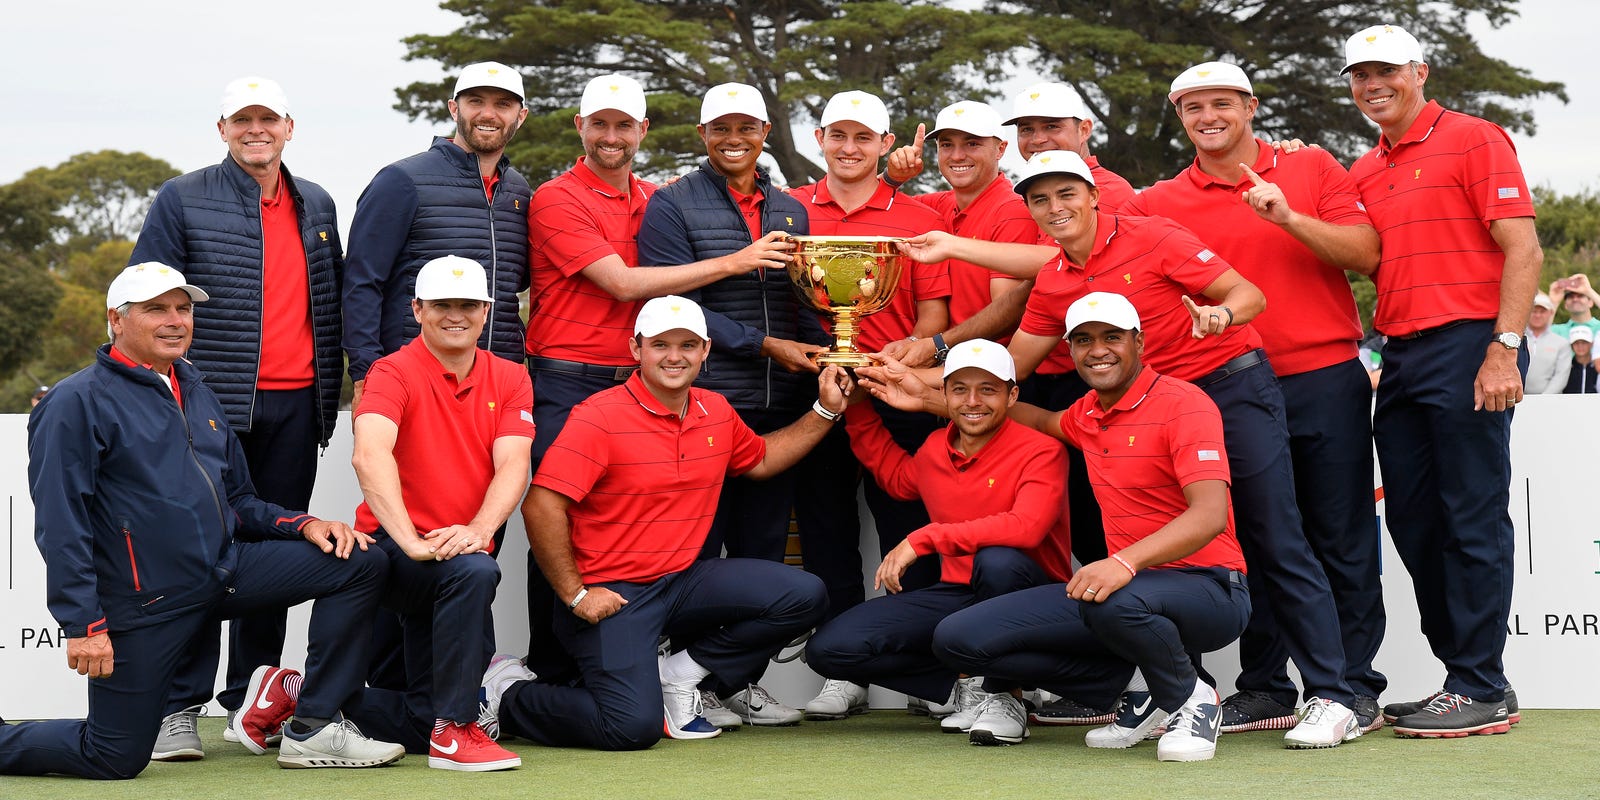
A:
(1109, 307)
(991, 357)
(1580, 333)
(969, 117)
(252, 90)
(492, 74)
(854, 106)
(1052, 162)
(1210, 75)
(1543, 301)
(140, 282)
(670, 312)
(1049, 100)
(732, 98)
(1385, 44)
(613, 91)
(452, 278)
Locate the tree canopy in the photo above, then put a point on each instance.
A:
(920, 56)
(65, 232)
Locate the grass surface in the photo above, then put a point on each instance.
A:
(887, 753)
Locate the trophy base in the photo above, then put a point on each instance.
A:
(846, 359)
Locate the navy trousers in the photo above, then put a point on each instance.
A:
(1447, 488)
(281, 450)
(554, 395)
(888, 640)
(1285, 573)
(1330, 438)
(444, 609)
(1087, 651)
(752, 519)
(126, 707)
(733, 614)
(1055, 393)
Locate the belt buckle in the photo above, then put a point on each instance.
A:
(623, 373)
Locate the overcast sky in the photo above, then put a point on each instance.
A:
(148, 76)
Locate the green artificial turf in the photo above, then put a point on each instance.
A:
(890, 754)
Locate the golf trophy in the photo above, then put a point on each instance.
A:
(846, 277)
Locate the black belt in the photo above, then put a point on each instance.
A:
(1437, 328)
(618, 374)
(1236, 578)
(1253, 358)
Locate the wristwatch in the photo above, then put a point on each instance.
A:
(940, 349)
(1508, 340)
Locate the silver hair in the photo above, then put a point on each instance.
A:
(122, 311)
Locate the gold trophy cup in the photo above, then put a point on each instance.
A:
(846, 277)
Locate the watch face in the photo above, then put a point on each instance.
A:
(1510, 340)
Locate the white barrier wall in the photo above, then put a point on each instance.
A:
(1554, 633)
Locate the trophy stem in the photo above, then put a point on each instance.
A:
(844, 352)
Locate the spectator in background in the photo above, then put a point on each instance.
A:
(1548, 353)
(1581, 374)
(1578, 298)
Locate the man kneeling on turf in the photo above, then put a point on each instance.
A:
(993, 491)
(140, 489)
(616, 516)
(1174, 580)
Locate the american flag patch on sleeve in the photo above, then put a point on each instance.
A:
(1508, 192)
(1205, 255)
(526, 416)
(1210, 455)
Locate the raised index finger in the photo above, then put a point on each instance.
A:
(1194, 310)
(922, 133)
(1250, 173)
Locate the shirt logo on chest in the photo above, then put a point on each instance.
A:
(1127, 277)
(1130, 441)
(213, 423)
(711, 441)
(991, 483)
(322, 235)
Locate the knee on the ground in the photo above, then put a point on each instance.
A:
(631, 732)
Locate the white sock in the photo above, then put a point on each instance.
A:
(680, 668)
(1136, 683)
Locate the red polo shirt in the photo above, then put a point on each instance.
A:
(1154, 262)
(448, 426)
(286, 345)
(575, 220)
(996, 214)
(1162, 435)
(1432, 196)
(644, 482)
(749, 208)
(887, 213)
(1008, 494)
(1310, 321)
(1115, 191)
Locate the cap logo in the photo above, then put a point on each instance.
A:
(958, 112)
(675, 308)
(1044, 160)
(254, 85)
(1371, 39)
(1093, 303)
(458, 273)
(164, 270)
(733, 92)
(615, 88)
(855, 102)
(1204, 73)
(977, 349)
(493, 71)
(1033, 96)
